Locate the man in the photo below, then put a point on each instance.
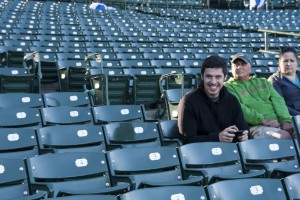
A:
(264, 109)
(210, 112)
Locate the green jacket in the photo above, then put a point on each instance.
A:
(259, 100)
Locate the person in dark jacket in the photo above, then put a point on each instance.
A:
(210, 112)
(287, 80)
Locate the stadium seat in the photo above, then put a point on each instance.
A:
(248, 189)
(54, 99)
(19, 117)
(169, 132)
(218, 161)
(73, 173)
(70, 138)
(168, 192)
(144, 167)
(291, 184)
(278, 157)
(18, 143)
(64, 115)
(131, 134)
(21, 100)
(14, 182)
(172, 99)
(86, 197)
(118, 113)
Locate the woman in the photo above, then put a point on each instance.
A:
(287, 80)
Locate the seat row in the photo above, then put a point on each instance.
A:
(130, 169)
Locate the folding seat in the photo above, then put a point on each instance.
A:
(22, 100)
(296, 122)
(86, 197)
(151, 49)
(168, 192)
(71, 74)
(252, 188)
(278, 157)
(118, 113)
(291, 184)
(109, 89)
(54, 99)
(145, 86)
(169, 132)
(164, 63)
(130, 55)
(19, 117)
(219, 161)
(14, 183)
(190, 63)
(126, 49)
(131, 134)
(70, 138)
(195, 71)
(172, 99)
(73, 173)
(182, 56)
(136, 63)
(154, 163)
(64, 115)
(174, 77)
(18, 143)
(156, 55)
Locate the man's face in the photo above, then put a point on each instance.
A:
(241, 70)
(213, 79)
(288, 64)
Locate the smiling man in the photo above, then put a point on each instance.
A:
(264, 109)
(210, 112)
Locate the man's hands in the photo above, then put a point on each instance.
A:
(227, 134)
(287, 126)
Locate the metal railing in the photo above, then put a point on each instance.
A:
(266, 40)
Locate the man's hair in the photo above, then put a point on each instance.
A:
(214, 61)
(288, 49)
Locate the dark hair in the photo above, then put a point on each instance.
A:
(215, 61)
(288, 49)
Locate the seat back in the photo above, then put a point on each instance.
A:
(13, 182)
(18, 143)
(168, 192)
(216, 158)
(70, 138)
(53, 99)
(131, 134)
(291, 184)
(110, 89)
(86, 197)
(172, 99)
(66, 115)
(278, 156)
(23, 100)
(170, 132)
(70, 173)
(118, 113)
(247, 189)
(146, 164)
(20, 117)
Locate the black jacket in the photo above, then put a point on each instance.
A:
(200, 119)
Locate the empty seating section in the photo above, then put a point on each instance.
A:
(90, 137)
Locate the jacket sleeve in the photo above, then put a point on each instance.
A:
(279, 105)
(252, 116)
(187, 124)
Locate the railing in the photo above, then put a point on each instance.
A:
(266, 32)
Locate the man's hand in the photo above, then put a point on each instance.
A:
(244, 136)
(287, 126)
(270, 123)
(227, 134)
